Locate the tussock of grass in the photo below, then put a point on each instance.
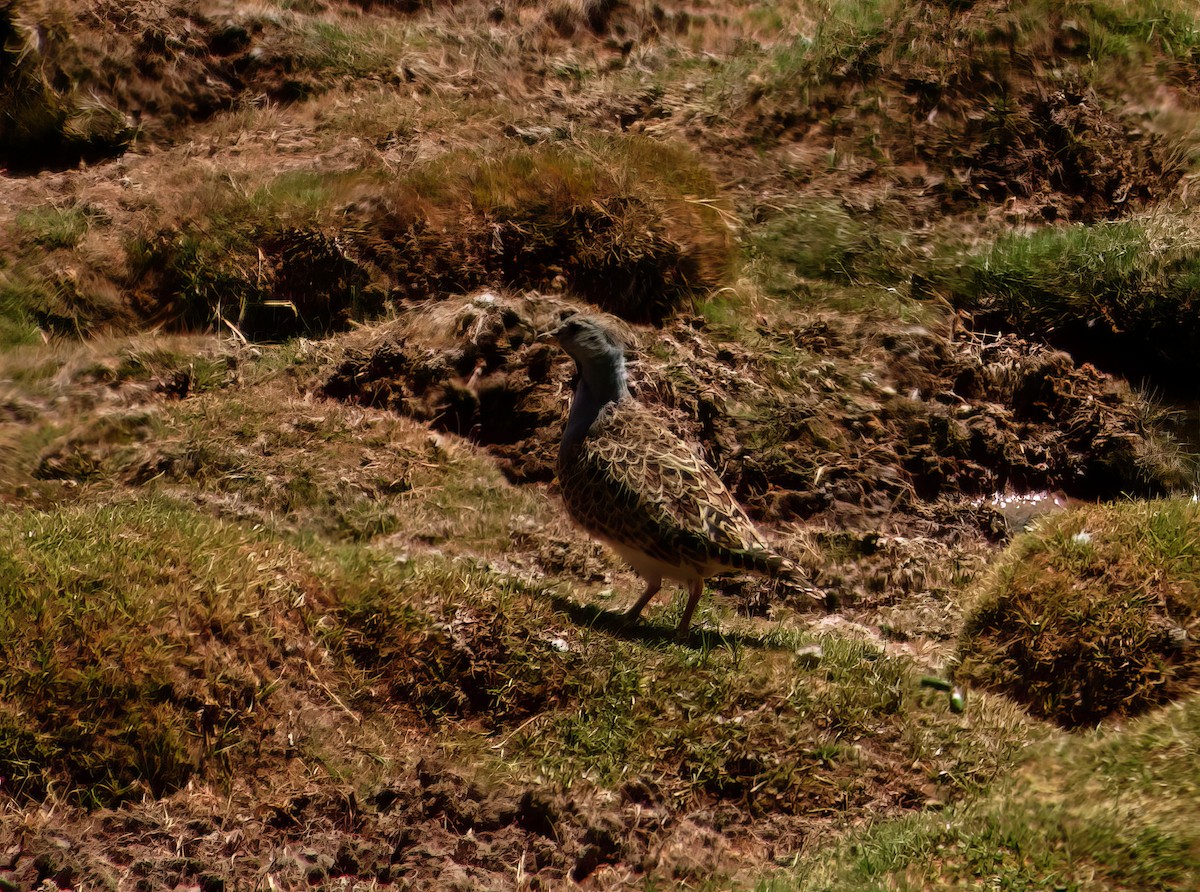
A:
(998, 101)
(853, 40)
(324, 47)
(54, 227)
(633, 225)
(1124, 293)
(1092, 614)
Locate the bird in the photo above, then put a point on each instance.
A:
(645, 492)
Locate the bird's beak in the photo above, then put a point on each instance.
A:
(550, 336)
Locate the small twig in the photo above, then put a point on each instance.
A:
(521, 727)
(332, 696)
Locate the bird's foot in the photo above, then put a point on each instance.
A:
(628, 620)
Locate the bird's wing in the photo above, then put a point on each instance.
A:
(634, 482)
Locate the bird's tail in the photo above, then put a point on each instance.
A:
(778, 567)
(797, 579)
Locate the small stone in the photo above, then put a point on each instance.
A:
(809, 656)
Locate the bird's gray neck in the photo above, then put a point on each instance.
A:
(596, 389)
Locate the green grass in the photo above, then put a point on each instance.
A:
(1112, 810)
(1119, 29)
(147, 643)
(54, 227)
(347, 48)
(823, 240)
(17, 325)
(1125, 293)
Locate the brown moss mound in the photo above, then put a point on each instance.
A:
(1093, 614)
(631, 225)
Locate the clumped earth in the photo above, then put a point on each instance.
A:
(288, 595)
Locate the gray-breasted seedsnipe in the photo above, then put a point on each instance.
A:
(634, 485)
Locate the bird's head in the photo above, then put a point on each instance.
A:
(599, 354)
(589, 343)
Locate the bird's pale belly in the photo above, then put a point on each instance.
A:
(653, 568)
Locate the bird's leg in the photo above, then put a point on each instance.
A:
(695, 591)
(652, 587)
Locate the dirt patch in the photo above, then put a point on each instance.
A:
(908, 444)
(1068, 154)
(471, 366)
(429, 825)
(995, 414)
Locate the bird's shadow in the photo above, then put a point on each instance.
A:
(614, 622)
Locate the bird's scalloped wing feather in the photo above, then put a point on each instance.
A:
(633, 481)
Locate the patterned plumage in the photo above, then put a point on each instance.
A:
(637, 487)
